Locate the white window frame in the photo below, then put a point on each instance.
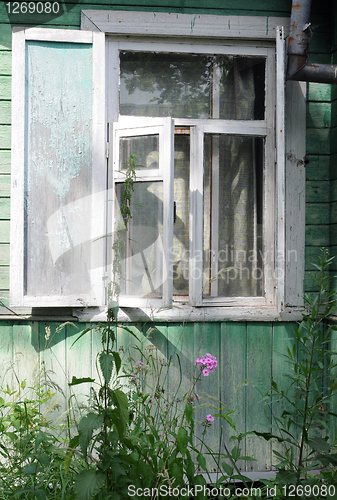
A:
(256, 31)
(198, 127)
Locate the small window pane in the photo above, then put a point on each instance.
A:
(242, 92)
(192, 86)
(141, 246)
(144, 148)
(233, 263)
(181, 214)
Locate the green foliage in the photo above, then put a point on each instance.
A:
(307, 403)
(32, 450)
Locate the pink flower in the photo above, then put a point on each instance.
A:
(208, 363)
(209, 418)
(197, 397)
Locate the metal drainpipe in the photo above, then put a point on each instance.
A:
(299, 38)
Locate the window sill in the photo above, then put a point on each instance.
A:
(186, 313)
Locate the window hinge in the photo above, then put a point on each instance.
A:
(107, 149)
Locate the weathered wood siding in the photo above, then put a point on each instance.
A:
(248, 355)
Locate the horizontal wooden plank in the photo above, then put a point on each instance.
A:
(333, 234)
(4, 277)
(317, 236)
(5, 87)
(333, 190)
(333, 135)
(5, 136)
(317, 168)
(309, 282)
(317, 191)
(317, 213)
(5, 185)
(4, 231)
(5, 162)
(333, 213)
(333, 169)
(318, 114)
(4, 254)
(333, 252)
(319, 92)
(311, 256)
(4, 208)
(5, 36)
(5, 62)
(5, 112)
(145, 23)
(318, 141)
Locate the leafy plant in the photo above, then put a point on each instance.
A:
(303, 427)
(32, 449)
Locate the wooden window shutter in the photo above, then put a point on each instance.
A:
(58, 168)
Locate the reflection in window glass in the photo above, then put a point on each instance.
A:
(144, 148)
(233, 264)
(192, 86)
(181, 214)
(141, 253)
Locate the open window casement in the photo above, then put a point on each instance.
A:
(58, 168)
(142, 261)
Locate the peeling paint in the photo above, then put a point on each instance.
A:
(193, 22)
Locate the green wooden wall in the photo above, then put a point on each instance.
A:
(248, 353)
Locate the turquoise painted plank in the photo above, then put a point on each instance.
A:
(5, 185)
(259, 361)
(4, 231)
(25, 352)
(319, 92)
(311, 255)
(317, 213)
(5, 35)
(318, 141)
(233, 379)
(283, 337)
(4, 254)
(317, 168)
(6, 354)
(53, 360)
(4, 277)
(79, 361)
(5, 63)
(5, 112)
(333, 190)
(4, 209)
(5, 134)
(318, 114)
(5, 162)
(317, 236)
(5, 87)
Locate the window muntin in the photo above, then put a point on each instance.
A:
(229, 87)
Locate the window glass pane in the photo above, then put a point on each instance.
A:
(159, 84)
(144, 148)
(242, 88)
(233, 264)
(181, 214)
(141, 245)
(192, 86)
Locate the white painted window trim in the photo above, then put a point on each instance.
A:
(226, 29)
